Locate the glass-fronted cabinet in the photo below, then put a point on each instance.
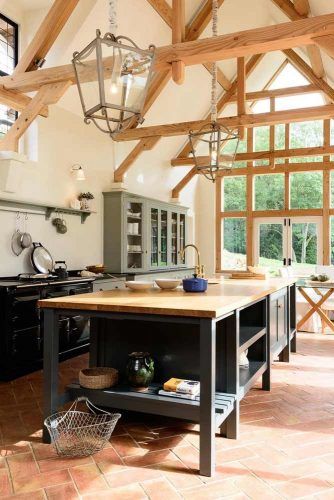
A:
(141, 234)
(134, 235)
(158, 237)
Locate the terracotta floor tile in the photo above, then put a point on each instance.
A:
(38, 481)
(88, 478)
(218, 489)
(62, 492)
(160, 489)
(234, 454)
(132, 475)
(149, 458)
(108, 460)
(58, 463)
(125, 446)
(305, 486)
(255, 488)
(131, 492)
(163, 443)
(32, 495)
(189, 456)
(5, 486)
(43, 451)
(178, 474)
(22, 465)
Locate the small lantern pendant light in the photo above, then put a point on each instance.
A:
(211, 140)
(113, 75)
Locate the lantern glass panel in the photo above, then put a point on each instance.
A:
(86, 69)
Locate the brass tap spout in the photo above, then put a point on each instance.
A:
(199, 269)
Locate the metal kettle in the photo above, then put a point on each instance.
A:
(61, 270)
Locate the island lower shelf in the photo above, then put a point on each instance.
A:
(123, 398)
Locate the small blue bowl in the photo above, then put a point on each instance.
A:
(195, 285)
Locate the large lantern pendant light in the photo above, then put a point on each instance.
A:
(113, 75)
(216, 143)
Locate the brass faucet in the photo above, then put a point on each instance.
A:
(199, 269)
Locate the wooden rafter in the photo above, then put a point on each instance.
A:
(178, 35)
(255, 120)
(290, 10)
(46, 34)
(281, 92)
(49, 94)
(18, 101)
(241, 91)
(307, 71)
(263, 155)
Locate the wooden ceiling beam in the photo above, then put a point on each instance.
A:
(200, 21)
(254, 120)
(241, 92)
(263, 155)
(163, 9)
(49, 94)
(245, 43)
(178, 35)
(288, 8)
(302, 7)
(282, 92)
(18, 101)
(256, 41)
(46, 35)
(309, 74)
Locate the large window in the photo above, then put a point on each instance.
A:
(269, 192)
(306, 190)
(234, 243)
(8, 61)
(235, 193)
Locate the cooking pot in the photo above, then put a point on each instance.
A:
(195, 284)
(61, 270)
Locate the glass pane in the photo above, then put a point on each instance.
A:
(271, 245)
(261, 138)
(134, 235)
(7, 47)
(182, 235)
(163, 238)
(304, 245)
(332, 241)
(280, 136)
(306, 190)
(269, 192)
(154, 237)
(235, 193)
(174, 239)
(306, 134)
(234, 243)
(332, 189)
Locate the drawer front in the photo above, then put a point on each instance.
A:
(100, 286)
(273, 322)
(281, 317)
(26, 345)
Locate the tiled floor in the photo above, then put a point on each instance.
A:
(286, 448)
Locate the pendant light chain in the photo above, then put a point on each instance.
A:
(113, 16)
(214, 113)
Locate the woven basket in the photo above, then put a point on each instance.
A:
(98, 378)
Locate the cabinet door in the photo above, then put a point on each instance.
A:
(281, 317)
(154, 237)
(273, 323)
(135, 234)
(164, 237)
(181, 236)
(173, 239)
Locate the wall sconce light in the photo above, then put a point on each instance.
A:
(78, 172)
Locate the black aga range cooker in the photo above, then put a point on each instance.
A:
(21, 322)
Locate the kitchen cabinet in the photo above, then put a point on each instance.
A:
(142, 234)
(100, 285)
(278, 321)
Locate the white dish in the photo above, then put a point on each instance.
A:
(168, 283)
(139, 285)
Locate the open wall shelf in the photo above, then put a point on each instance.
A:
(32, 207)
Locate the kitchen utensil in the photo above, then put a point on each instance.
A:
(195, 284)
(97, 268)
(62, 227)
(61, 270)
(26, 239)
(167, 283)
(139, 285)
(41, 259)
(140, 370)
(16, 238)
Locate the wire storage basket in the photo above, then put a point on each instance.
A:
(77, 433)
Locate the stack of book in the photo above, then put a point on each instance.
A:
(180, 388)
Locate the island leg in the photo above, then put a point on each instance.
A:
(50, 367)
(207, 396)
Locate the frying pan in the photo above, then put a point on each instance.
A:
(41, 259)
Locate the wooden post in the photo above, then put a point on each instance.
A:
(326, 200)
(219, 221)
(241, 92)
(272, 135)
(178, 35)
(249, 204)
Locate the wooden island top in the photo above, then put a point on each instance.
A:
(223, 296)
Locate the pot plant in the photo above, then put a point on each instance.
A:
(85, 200)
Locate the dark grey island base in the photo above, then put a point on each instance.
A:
(200, 348)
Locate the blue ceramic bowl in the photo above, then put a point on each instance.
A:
(195, 284)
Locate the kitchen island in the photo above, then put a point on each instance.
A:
(189, 335)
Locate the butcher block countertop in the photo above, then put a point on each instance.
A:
(222, 297)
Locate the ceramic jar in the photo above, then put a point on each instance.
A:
(140, 370)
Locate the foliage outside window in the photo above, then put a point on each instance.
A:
(332, 189)
(306, 135)
(261, 143)
(234, 243)
(269, 192)
(306, 190)
(242, 148)
(8, 61)
(332, 240)
(235, 193)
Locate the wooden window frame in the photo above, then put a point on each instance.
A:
(16, 38)
(326, 166)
